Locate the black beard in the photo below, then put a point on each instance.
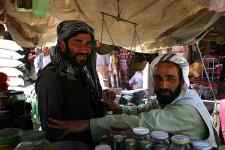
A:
(71, 58)
(165, 99)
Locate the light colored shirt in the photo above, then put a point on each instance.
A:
(174, 118)
(136, 81)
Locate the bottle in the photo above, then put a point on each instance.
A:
(159, 140)
(201, 145)
(180, 142)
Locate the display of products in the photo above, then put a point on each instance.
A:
(143, 139)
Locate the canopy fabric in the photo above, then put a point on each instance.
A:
(160, 23)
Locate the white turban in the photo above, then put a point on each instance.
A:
(180, 61)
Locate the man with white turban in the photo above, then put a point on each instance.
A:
(181, 109)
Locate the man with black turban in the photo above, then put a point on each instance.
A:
(68, 88)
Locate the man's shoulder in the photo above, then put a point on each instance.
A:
(50, 71)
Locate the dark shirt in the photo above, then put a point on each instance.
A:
(64, 99)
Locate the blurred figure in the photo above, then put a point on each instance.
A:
(3, 82)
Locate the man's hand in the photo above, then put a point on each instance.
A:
(72, 126)
(108, 97)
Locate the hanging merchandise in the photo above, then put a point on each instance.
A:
(40, 7)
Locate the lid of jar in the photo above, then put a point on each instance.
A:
(103, 147)
(140, 131)
(201, 145)
(118, 138)
(180, 139)
(159, 135)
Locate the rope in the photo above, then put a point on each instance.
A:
(107, 30)
(135, 38)
(205, 70)
(102, 28)
(215, 116)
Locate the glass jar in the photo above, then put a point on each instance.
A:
(141, 133)
(130, 144)
(201, 145)
(159, 140)
(118, 142)
(180, 142)
(145, 145)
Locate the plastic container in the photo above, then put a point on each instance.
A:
(201, 145)
(40, 7)
(141, 133)
(9, 138)
(159, 140)
(180, 142)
